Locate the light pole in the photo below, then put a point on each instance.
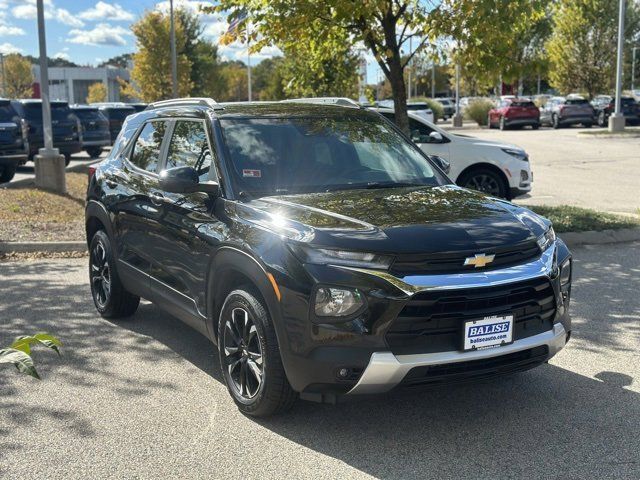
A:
(616, 121)
(457, 117)
(174, 61)
(4, 80)
(633, 70)
(48, 162)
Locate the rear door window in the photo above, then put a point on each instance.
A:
(146, 151)
(189, 147)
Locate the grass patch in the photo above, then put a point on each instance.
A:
(576, 219)
(32, 214)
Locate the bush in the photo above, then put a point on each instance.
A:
(478, 111)
(436, 107)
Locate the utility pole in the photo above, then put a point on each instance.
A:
(433, 80)
(48, 162)
(457, 118)
(633, 70)
(248, 61)
(616, 121)
(4, 80)
(174, 60)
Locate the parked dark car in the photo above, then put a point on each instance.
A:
(605, 106)
(66, 128)
(14, 148)
(95, 129)
(514, 112)
(563, 112)
(321, 250)
(115, 114)
(448, 107)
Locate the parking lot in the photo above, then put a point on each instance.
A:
(599, 173)
(144, 399)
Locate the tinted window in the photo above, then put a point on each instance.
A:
(290, 155)
(119, 113)
(59, 111)
(417, 106)
(189, 147)
(89, 115)
(523, 103)
(576, 101)
(146, 150)
(7, 113)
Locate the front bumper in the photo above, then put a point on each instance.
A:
(386, 370)
(315, 354)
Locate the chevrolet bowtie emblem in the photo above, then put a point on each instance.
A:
(479, 260)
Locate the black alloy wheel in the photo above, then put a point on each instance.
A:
(485, 181)
(243, 358)
(100, 274)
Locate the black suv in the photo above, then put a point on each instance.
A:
(321, 250)
(115, 114)
(66, 128)
(14, 148)
(95, 129)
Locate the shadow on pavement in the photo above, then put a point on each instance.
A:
(545, 423)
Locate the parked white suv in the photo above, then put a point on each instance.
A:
(499, 169)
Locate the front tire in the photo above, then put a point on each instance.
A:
(7, 172)
(110, 297)
(94, 152)
(486, 181)
(250, 356)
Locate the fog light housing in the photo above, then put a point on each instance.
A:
(337, 302)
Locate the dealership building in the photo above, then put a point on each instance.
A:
(72, 83)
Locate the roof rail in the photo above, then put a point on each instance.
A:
(187, 101)
(339, 101)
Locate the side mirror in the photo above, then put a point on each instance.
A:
(435, 137)
(444, 164)
(185, 180)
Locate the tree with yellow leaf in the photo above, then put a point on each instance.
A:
(18, 78)
(97, 93)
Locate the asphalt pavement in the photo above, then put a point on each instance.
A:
(144, 399)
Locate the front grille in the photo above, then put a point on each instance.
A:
(432, 321)
(476, 369)
(454, 262)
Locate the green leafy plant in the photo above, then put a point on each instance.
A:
(19, 353)
(435, 106)
(478, 111)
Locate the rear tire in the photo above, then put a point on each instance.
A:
(110, 297)
(535, 126)
(250, 356)
(587, 125)
(7, 172)
(67, 159)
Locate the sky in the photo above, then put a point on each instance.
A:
(88, 32)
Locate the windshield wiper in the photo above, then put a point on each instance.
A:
(374, 185)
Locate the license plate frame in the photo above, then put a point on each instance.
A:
(492, 326)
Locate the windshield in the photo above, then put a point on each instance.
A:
(303, 155)
(576, 101)
(417, 106)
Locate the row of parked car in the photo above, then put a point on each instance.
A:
(561, 111)
(74, 127)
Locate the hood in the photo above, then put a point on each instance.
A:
(396, 221)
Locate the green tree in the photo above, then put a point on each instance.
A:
(151, 73)
(97, 93)
(384, 27)
(489, 38)
(18, 79)
(118, 61)
(582, 47)
(269, 80)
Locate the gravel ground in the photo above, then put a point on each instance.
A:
(144, 399)
(41, 231)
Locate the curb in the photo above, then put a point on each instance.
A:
(571, 239)
(623, 235)
(46, 247)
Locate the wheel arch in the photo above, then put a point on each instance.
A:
(96, 218)
(485, 166)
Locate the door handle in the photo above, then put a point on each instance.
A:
(157, 198)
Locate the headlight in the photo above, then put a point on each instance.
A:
(519, 154)
(547, 239)
(337, 302)
(326, 256)
(565, 272)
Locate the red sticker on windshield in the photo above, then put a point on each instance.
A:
(251, 173)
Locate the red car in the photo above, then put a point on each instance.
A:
(514, 112)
